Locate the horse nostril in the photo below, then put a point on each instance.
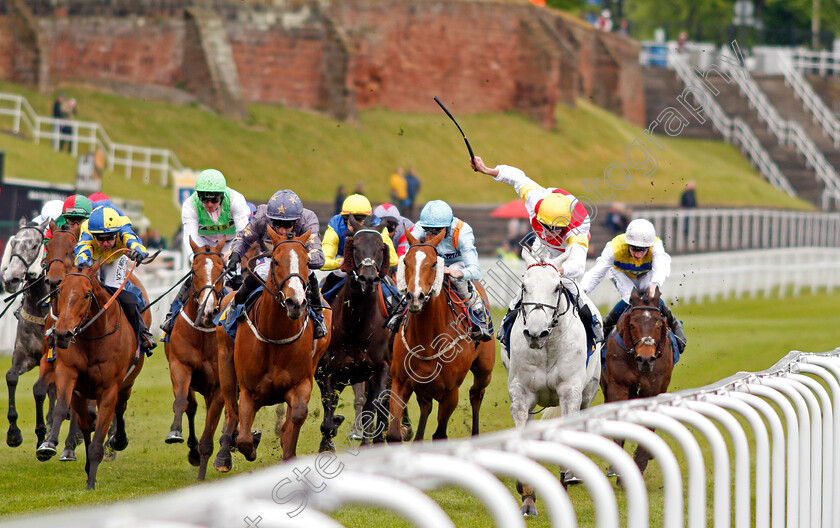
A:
(544, 334)
(290, 304)
(526, 333)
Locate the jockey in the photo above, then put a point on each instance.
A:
(287, 216)
(100, 199)
(561, 225)
(338, 230)
(396, 225)
(50, 211)
(214, 212)
(76, 210)
(105, 232)
(460, 260)
(635, 259)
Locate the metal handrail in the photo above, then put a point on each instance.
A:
(734, 131)
(810, 100)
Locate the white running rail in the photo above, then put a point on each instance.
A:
(734, 131)
(819, 62)
(787, 132)
(129, 157)
(789, 410)
(810, 99)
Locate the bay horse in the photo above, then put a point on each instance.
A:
(192, 351)
(274, 354)
(359, 348)
(547, 364)
(639, 357)
(24, 271)
(434, 351)
(95, 360)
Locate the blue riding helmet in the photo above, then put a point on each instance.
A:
(104, 220)
(284, 205)
(436, 213)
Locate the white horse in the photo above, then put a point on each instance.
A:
(547, 364)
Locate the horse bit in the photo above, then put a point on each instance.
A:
(646, 340)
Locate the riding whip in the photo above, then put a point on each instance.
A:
(469, 148)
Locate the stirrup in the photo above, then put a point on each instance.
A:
(319, 329)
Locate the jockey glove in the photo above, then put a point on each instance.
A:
(136, 255)
(84, 264)
(233, 261)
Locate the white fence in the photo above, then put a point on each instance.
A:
(129, 157)
(692, 230)
(789, 411)
(694, 278)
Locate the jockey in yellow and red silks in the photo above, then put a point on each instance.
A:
(561, 225)
(102, 235)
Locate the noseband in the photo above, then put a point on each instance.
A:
(197, 293)
(647, 340)
(279, 297)
(80, 327)
(556, 313)
(434, 263)
(367, 261)
(28, 264)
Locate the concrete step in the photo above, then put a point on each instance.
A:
(661, 90)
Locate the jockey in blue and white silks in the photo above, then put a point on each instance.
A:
(634, 259)
(460, 260)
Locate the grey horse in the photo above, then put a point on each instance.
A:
(22, 273)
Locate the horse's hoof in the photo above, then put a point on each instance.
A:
(356, 434)
(194, 458)
(570, 479)
(117, 445)
(45, 451)
(68, 455)
(338, 419)
(407, 432)
(326, 445)
(110, 453)
(528, 510)
(223, 464)
(612, 473)
(257, 436)
(14, 438)
(174, 437)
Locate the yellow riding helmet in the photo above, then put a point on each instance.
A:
(104, 220)
(555, 210)
(356, 204)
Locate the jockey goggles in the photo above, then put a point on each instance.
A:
(637, 249)
(551, 228)
(285, 224)
(104, 237)
(433, 230)
(359, 217)
(210, 197)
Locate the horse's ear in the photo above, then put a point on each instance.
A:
(303, 238)
(349, 264)
(411, 240)
(95, 268)
(194, 246)
(45, 224)
(437, 238)
(385, 268)
(22, 222)
(275, 238)
(353, 222)
(528, 257)
(53, 226)
(656, 295)
(635, 297)
(219, 247)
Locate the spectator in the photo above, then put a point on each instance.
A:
(604, 22)
(681, 41)
(688, 200)
(413, 187)
(177, 238)
(617, 218)
(360, 188)
(623, 29)
(153, 240)
(398, 188)
(57, 114)
(339, 199)
(68, 111)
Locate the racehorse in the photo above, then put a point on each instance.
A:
(547, 364)
(193, 355)
(360, 344)
(274, 355)
(639, 357)
(433, 351)
(95, 360)
(24, 271)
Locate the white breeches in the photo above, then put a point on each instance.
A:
(625, 284)
(472, 297)
(113, 273)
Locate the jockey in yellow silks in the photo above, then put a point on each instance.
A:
(634, 259)
(102, 235)
(561, 224)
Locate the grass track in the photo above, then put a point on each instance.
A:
(749, 334)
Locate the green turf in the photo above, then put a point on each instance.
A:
(278, 147)
(749, 334)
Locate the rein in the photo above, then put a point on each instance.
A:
(12, 297)
(91, 298)
(37, 251)
(452, 343)
(197, 294)
(648, 340)
(56, 259)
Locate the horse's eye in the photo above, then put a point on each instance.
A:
(434, 263)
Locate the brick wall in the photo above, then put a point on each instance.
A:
(6, 44)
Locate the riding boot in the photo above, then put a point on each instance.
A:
(250, 284)
(594, 328)
(144, 337)
(611, 320)
(396, 314)
(675, 325)
(320, 329)
(176, 305)
(480, 329)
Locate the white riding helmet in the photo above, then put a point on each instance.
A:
(640, 233)
(51, 210)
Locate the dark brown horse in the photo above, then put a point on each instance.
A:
(360, 344)
(639, 358)
(434, 352)
(193, 355)
(95, 360)
(274, 354)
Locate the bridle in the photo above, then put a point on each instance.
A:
(556, 313)
(91, 299)
(279, 297)
(367, 261)
(57, 259)
(197, 293)
(647, 340)
(28, 264)
(434, 263)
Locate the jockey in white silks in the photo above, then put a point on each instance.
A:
(634, 259)
(212, 213)
(561, 224)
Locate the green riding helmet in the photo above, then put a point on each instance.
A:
(76, 206)
(210, 181)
